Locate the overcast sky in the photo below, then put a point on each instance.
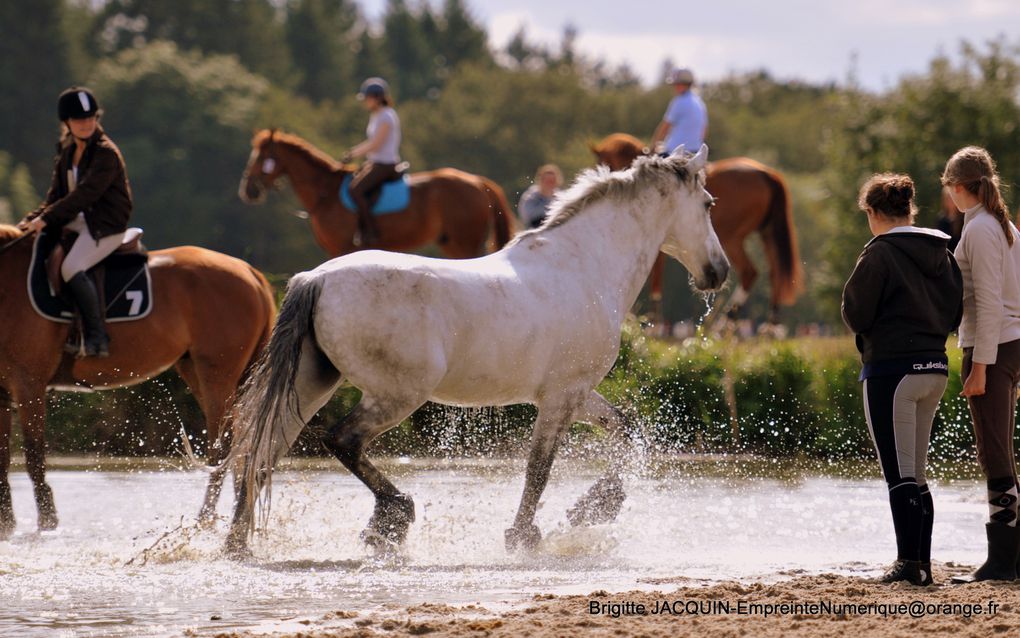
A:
(813, 40)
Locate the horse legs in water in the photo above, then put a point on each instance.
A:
(6, 506)
(348, 440)
(602, 502)
(553, 420)
(32, 412)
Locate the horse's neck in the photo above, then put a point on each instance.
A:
(309, 180)
(616, 244)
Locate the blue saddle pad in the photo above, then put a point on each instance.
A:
(395, 196)
(127, 285)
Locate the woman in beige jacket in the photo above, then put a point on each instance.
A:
(989, 258)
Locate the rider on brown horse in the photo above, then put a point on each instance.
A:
(89, 195)
(382, 150)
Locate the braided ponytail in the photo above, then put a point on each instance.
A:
(973, 168)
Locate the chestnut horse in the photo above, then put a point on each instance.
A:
(211, 315)
(457, 211)
(749, 197)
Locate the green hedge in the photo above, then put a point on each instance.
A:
(798, 397)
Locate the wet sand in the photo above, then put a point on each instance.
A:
(843, 606)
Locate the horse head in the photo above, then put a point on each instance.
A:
(690, 237)
(262, 170)
(618, 151)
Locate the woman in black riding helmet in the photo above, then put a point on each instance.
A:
(90, 195)
(382, 150)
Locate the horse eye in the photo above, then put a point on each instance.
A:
(710, 203)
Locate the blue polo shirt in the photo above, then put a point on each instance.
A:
(687, 117)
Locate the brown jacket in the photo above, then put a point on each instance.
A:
(102, 192)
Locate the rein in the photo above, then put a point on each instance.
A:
(13, 243)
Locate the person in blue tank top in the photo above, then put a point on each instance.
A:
(382, 152)
(686, 119)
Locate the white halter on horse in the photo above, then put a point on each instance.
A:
(537, 322)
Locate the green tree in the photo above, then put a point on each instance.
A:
(33, 71)
(408, 52)
(249, 29)
(184, 123)
(323, 38)
(913, 129)
(17, 195)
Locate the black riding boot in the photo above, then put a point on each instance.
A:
(1003, 547)
(97, 344)
(368, 234)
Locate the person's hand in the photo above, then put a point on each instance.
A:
(34, 225)
(347, 157)
(974, 386)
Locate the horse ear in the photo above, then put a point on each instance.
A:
(679, 151)
(699, 160)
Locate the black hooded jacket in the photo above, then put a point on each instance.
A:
(904, 297)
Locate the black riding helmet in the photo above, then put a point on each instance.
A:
(374, 87)
(77, 103)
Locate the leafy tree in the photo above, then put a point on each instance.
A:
(323, 38)
(913, 129)
(17, 195)
(408, 51)
(246, 28)
(184, 122)
(33, 71)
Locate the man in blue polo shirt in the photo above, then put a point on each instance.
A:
(686, 118)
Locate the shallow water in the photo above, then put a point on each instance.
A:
(679, 525)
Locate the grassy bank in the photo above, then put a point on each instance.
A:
(792, 398)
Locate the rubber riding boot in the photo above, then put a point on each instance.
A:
(1003, 547)
(926, 575)
(97, 343)
(906, 570)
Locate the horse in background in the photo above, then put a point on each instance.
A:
(750, 197)
(211, 316)
(538, 322)
(457, 211)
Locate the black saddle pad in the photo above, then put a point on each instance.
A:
(127, 284)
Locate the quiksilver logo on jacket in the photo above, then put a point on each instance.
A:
(932, 365)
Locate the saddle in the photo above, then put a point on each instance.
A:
(392, 197)
(122, 279)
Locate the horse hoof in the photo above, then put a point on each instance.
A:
(48, 522)
(526, 538)
(236, 549)
(390, 521)
(601, 504)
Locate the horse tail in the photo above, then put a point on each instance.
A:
(503, 218)
(787, 277)
(268, 401)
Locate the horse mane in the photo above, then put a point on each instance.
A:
(8, 232)
(317, 157)
(596, 184)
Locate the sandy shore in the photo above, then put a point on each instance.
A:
(817, 606)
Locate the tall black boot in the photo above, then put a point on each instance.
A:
(1003, 548)
(97, 343)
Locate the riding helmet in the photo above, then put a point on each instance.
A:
(680, 76)
(373, 87)
(77, 103)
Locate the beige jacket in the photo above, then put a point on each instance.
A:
(991, 285)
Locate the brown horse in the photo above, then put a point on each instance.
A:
(211, 315)
(457, 211)
(750, 197)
